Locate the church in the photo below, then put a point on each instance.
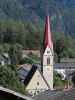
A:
(41, 79)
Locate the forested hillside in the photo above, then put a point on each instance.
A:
(22, 22)
(62, 12)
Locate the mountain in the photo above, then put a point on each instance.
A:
(62, 12)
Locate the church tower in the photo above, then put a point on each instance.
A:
(48, 55)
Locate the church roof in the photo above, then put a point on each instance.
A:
(30, 75)
(47, 34)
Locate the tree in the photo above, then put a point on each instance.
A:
(6, 47)
(59, 48)
(26, 61)
(9, 78)
(15, 53)
(69, 50)
(58, 82)
(1, 49)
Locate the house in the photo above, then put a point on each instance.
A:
(66, 67)
(31, 52)
(4, 59)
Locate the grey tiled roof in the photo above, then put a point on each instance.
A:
(56, 95)
(64, 66)
(23, 71)
(70, 60)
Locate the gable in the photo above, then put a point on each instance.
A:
(37, 83)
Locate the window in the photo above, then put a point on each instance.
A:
(38, 83)
(48, 52)
(48, 61)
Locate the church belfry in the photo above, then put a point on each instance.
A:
(48, 55)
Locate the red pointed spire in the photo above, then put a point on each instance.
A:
(47, 34)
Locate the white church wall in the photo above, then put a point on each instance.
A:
(37, 84)
(47, 54)
(48, 67)
(48, 74)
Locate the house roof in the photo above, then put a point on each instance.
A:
(65, 65)
(68, 60)
(47, 95)
(23, 71)
(56, 95)
(47, 34)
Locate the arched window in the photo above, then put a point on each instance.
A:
(48, 61)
